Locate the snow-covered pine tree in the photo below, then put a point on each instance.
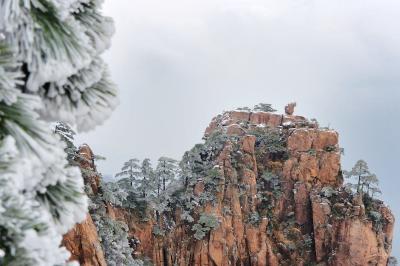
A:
(145, 185)
(114, 239)
(67, 135)
(190, 166)
(165, 173)
(368, 182)
(359, 171)
(113, 234)
(50, 70)
(264, 107)
(113, 193)
(130, 173)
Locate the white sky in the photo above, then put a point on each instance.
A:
(179, 63)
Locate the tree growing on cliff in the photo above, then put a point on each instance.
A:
(205, 224)
(359, 171)
(67, 134)
(367, 182)
(114, 240)
(130, 173)
(113, 234)
(146, 183)
(269, 142)
(165, 173)
(264, 107)
(374, 191)
(113, 193)
(370, 183)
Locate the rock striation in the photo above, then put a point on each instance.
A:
(278, 197)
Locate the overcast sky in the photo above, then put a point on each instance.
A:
(178, 63)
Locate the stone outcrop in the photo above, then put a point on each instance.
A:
(82, 240)
(345, 236)
(83, 243)
(289, 108)
(279, 200)
(299, 229)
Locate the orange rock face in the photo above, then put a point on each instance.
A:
(270, 204)
(83, 241)
(349, 240)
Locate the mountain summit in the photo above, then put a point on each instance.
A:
(263, 189)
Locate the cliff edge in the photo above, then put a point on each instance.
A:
(264, 189)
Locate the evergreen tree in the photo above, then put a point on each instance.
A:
(189, 161)
(67, 135)
(113, 193)
(113, 234)
(264, 107)
(145, 185)
(165, 173)
(369, 182)
(131, 173)
(50, 70)
(114, 239)
(359, 171)
(374, 191)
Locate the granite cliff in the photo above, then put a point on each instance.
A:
(268, 190)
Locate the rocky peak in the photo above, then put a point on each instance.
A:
(237, 121)
(272, 194)
(315, 151)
